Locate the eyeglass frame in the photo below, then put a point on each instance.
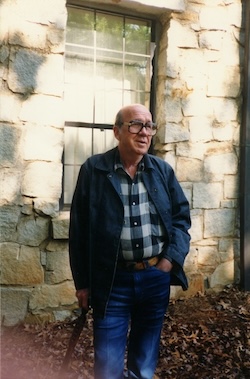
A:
(148, 126)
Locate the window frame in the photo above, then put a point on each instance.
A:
(125, 13)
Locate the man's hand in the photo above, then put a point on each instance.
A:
(164, 265)
(83, 298)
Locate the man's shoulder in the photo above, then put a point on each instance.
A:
(101, 160)
(157, 162)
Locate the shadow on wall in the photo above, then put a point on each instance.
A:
(24, 67)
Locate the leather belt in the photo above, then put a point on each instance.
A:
(142, 265)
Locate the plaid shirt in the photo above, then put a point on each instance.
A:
(143, 233)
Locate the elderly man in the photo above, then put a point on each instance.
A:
(128, 242)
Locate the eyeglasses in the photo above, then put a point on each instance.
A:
(135, 126)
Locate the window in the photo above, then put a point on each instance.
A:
(108, 64)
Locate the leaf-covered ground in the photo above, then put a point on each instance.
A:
(207, 336)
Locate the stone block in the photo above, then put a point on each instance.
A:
(23, 71)
(43, 143)
(14, 304)
(175, 133)
(173, 110)
(42, 179)
(32, 231)
(219, 84)
(211, 39)
(43, 110)
(221, 164)
(10, 107)
(189, 170)
(214, 18)
(9, 215)
(190, 264)
(223, 275)
(20, 265)
(31, 72)
(57, 267)
(60, 226)
(50, 75)
(10, 137)
(52, 296)
(10, 189)
(200, 129)
(207, 195)
(56, 38)
(195, 74)
(196, 230)
(225, 110)
(191, 150)
(48, 207)
(231, 186)
(182, 36)
(208, 258)
(219, 223)
(40, 12)
(196, 104)
(223, 132)
(27, 34)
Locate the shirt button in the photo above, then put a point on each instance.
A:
(137, 245)
(133, 203)
(135, 223)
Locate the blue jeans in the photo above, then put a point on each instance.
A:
(134, 319)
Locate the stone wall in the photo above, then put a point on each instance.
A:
(198, 110)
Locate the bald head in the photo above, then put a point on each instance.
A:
(128, 113)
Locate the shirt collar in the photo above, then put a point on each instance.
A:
(118, 163)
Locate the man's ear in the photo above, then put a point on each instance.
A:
(116, 131)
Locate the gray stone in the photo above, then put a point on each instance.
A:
(207, 195)
(196, 230)
(32, 231)
(57, 267)
(9, 145)
(189, 170)
(14, 304)
(48, 207)
(221, 163)
(175, 133)
(23, 73)
(60, 226)
(9, 216)
(223, 275)
(219, 223)
(10, 189)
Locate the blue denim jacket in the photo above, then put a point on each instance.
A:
(96, 221)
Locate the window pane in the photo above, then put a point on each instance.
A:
(78, 145)
(80, 27)
(103, 140)
(109, 31)
(137, 36)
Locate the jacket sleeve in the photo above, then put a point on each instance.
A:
(179, 243)
(79, 231)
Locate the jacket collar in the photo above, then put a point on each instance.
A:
(106, 161)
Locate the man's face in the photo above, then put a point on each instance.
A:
(134, 144)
